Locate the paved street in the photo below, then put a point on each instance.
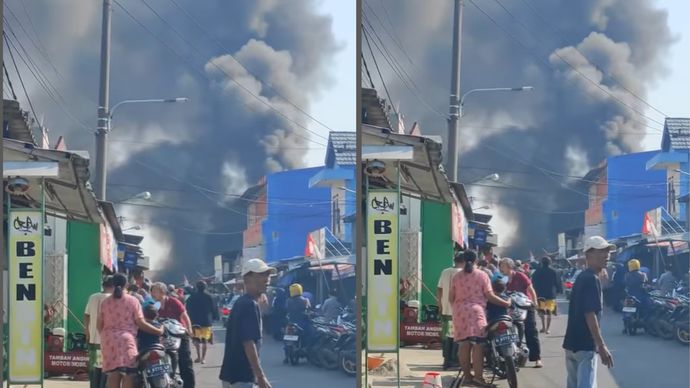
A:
(281, 376)
(640, 361)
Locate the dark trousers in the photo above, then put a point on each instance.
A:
(185, 363)
(532, 336)
(97, 378)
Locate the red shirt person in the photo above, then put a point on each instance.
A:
(172, 308)
(519, 282)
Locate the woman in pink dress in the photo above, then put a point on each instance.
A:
(470, 291)
(119, 320)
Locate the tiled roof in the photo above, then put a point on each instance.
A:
(676, 134)
(344, 145)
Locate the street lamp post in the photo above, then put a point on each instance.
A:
(102, 140)
(456, 114)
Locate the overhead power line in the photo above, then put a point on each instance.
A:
(9, 81)
(19, 75)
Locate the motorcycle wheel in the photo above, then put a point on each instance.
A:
(683, 335)
(348, 363)
(511, 372)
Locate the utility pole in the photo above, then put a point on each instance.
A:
(454, 110)
(103, 104)
(2, 235)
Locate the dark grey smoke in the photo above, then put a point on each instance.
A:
(224, 140)
(565, 126)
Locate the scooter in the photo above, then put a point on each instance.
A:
(157, 365)
(506, 352)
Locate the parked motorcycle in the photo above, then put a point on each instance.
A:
(506, 352)
(157, 365)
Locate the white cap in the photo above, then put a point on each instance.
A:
(598, 242)
(256, 266)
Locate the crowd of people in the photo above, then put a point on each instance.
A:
(473, 292)
(123, 320)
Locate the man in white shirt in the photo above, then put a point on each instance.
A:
(96, 377)
(446, 310)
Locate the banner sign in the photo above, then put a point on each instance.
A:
(25, 296)
(420, 333)
(69, 363)
(383, 309)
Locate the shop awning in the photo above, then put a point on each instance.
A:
(420, 177)
(67, 195)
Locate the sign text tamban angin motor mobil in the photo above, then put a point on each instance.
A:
(66, 363)
(25, 296)
(382, 271)
(432, 331)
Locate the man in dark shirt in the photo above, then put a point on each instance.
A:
(583, 340)
(546, 284)
(202, 311)
(241, 366)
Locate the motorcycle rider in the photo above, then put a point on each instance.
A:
(297, 307)
(635, 281)
(667, 280)
(331, 306)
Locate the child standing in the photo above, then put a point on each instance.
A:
(494, 311)
(145, 340)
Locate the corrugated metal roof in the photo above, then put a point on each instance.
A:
(373, 109)
(344, 145)
(676, 134)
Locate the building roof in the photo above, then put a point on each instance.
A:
(342, 149)
(68, 195)
(17, 123)
(373, 109)
(676, 134)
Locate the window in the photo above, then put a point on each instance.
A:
(335, 216)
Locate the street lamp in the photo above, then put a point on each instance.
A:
(145, 195)
(485, 207)
(453, 121)
(135, 227)
(102, 140)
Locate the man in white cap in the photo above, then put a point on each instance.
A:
(241, 366)
(583, 340)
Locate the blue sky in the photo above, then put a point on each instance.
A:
(672, 95)
(336, 107)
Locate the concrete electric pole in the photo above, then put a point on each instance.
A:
(454, 110)
(103, 104)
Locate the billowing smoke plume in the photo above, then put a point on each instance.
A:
(584, 58)
(201, 153)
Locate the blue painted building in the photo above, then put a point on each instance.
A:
(338, 176)
(293, 211)
(632, 191)
(674, 162)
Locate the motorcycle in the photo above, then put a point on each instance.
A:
(348, 350)
(506, 352)
(157, 365)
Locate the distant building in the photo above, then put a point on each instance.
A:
(338, 176)
(674, 162)
(621, 191)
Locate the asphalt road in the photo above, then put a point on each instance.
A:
(280, 376)
(639, 362)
